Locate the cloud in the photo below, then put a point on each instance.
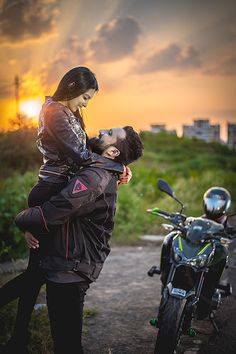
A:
(26, 19)
(173, 57)
(115, 39)
(230, 35)
(33, 81)
(66, 58)
(225, 68)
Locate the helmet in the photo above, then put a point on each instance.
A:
(216, 201)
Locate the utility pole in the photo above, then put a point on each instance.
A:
(17, 99)
(17, 86)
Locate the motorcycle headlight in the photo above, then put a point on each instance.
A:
(199, 261)
(177, 254)
(192, 262)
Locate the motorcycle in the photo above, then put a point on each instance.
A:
(197, 245)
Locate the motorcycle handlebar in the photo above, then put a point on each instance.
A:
(175, 218)
(178, 220)
(157, 211)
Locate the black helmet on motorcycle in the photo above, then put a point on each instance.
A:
(216, 201)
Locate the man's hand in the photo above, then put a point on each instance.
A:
(126, 176)
(31, 241)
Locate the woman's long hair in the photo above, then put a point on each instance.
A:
(73, 84)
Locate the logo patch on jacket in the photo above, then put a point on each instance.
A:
(79, 187)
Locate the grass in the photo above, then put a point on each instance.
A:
(191, 166)
(40, 342)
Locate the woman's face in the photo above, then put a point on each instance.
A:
(80, 101)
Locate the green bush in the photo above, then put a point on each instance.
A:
(14, 192)
(131, 218)
(18, 151)
(190, 166)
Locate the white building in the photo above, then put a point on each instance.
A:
(202, 129)
(232, 135)
(159, 128)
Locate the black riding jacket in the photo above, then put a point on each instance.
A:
(62, 142)
(76, 224)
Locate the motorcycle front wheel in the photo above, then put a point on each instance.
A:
(171, 322)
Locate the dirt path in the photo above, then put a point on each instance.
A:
(126, 299)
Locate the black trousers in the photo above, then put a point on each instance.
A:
(65, 308)
(26, 286)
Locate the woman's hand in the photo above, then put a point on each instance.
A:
(126, 176)
(31, 241)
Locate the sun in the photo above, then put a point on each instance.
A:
(31, 108)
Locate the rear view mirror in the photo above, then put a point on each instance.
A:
(164, 187)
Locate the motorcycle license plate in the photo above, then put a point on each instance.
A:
(179, 292)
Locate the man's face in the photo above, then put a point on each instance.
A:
(106, 139)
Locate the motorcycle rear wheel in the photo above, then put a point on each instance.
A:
(172, 318)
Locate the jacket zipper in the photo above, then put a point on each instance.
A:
(107, 214)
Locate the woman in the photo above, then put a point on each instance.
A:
(62, 140)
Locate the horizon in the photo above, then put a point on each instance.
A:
(32, 122)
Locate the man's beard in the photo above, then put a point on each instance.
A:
(96, 146)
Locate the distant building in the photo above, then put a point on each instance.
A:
(202, 129)
(158, 128)
(215, 132)
(232, 135)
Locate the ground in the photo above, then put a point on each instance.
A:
(125, 299)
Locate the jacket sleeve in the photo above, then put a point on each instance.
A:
(82, 190)
(70, 142)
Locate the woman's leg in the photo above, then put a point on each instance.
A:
(27, 299)
(43, 191)
(12, 289)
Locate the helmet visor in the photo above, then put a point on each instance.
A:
(215, 205)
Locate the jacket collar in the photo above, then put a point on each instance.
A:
(109, 165)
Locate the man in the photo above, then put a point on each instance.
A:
(77, 225)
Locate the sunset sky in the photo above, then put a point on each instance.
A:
(156, 61)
